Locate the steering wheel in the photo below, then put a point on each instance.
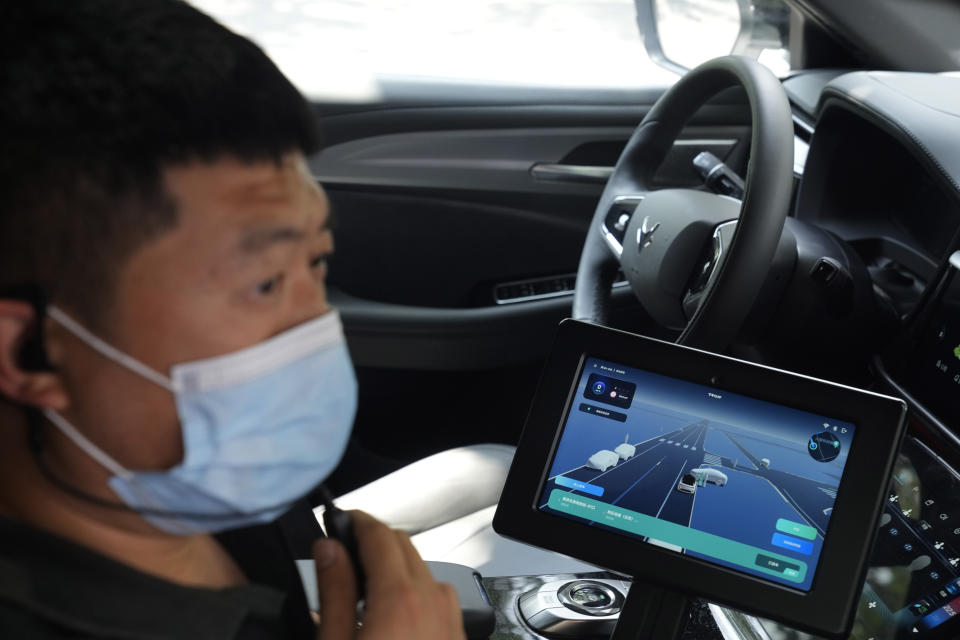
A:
(695, 260)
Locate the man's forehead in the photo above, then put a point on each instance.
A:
(246, 196)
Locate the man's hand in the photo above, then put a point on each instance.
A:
(403, 599)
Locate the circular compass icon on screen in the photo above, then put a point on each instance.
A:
(823, 446)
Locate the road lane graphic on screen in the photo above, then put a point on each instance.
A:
(729, 479)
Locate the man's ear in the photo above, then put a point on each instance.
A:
(43, 389)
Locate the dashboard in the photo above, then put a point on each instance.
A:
(883, 176)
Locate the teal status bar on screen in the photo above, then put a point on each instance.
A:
(707, 544)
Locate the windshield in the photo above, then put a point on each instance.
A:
(348, 49)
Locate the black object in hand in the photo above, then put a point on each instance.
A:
(339, 526)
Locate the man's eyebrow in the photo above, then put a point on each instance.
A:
(262, 239)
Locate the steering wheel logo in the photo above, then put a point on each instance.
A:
(645, 233)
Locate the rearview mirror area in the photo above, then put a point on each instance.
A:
(681, 34)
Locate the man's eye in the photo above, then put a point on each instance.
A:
(319, 260)
(269, 286)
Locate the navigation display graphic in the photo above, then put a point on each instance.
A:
(719, 476)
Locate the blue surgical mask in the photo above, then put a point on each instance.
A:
(261, 427)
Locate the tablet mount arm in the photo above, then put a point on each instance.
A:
(651, 613)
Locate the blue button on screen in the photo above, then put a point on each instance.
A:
(786, 542)
(570, 483)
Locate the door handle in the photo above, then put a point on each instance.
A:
(576, 173)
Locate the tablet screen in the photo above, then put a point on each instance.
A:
(731, 480)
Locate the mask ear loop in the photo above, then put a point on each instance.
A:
(36, 426)
(88, 447)
(103, 459)
(109, 351)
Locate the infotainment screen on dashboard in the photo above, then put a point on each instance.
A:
(705, 472)
(750, 486)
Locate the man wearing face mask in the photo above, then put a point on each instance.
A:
(171, 375)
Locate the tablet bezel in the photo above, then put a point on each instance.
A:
(828, 607)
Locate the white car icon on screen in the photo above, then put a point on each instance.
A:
(626, 450)
(687, 484)
(713, 476)
(603, 460)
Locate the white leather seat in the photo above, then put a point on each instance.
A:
(446, 503)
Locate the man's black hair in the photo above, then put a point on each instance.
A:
(97, 97)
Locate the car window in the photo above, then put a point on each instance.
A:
(346, 49)
(693, 31)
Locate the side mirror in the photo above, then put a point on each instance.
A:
(680, 34)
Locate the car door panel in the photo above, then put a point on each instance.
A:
(407, 337)
(506, 160)
(439, 203)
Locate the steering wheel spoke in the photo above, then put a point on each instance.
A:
(613, 226)
(708, 266)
